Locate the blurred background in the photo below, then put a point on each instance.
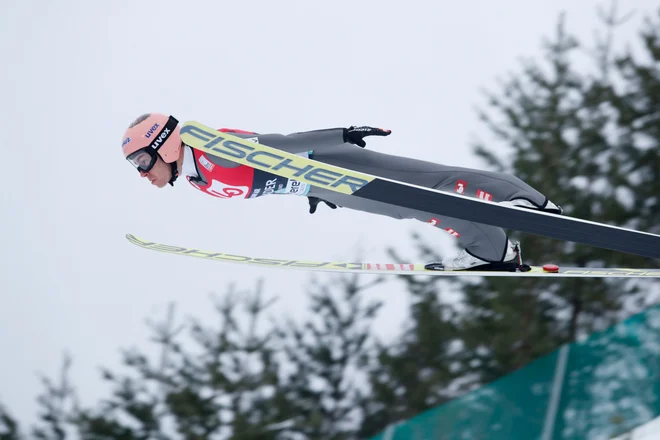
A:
(101, 339)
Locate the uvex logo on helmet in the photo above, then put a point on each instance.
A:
(161, 138)
(151, 131)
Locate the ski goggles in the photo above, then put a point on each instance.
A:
(145, 158)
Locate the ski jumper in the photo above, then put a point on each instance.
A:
(225, 179)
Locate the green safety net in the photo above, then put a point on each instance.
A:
(598, 388)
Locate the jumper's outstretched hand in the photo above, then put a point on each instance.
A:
(314, 201)
(355, 135)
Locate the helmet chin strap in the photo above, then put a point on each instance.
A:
(175, 173)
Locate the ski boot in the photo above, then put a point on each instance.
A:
(466, 261)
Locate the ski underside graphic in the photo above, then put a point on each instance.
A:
(410, 269)
(345, 181)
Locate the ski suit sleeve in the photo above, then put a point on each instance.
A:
(299, 142)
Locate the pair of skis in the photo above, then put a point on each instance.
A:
(346, 181)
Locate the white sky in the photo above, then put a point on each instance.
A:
(75, 73)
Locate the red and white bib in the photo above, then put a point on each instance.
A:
(242, 181)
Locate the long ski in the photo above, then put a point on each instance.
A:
(409, 269)
(407, 195)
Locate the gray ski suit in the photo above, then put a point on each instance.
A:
(483, 241)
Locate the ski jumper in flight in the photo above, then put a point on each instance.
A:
(152, 143)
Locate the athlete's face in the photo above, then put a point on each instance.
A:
(160, 174)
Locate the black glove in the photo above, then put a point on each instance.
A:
(356, 135)
(314, 201)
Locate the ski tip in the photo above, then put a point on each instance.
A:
(550, 268)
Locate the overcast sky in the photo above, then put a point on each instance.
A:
(76, 73)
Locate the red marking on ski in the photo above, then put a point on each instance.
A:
(390, 266)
